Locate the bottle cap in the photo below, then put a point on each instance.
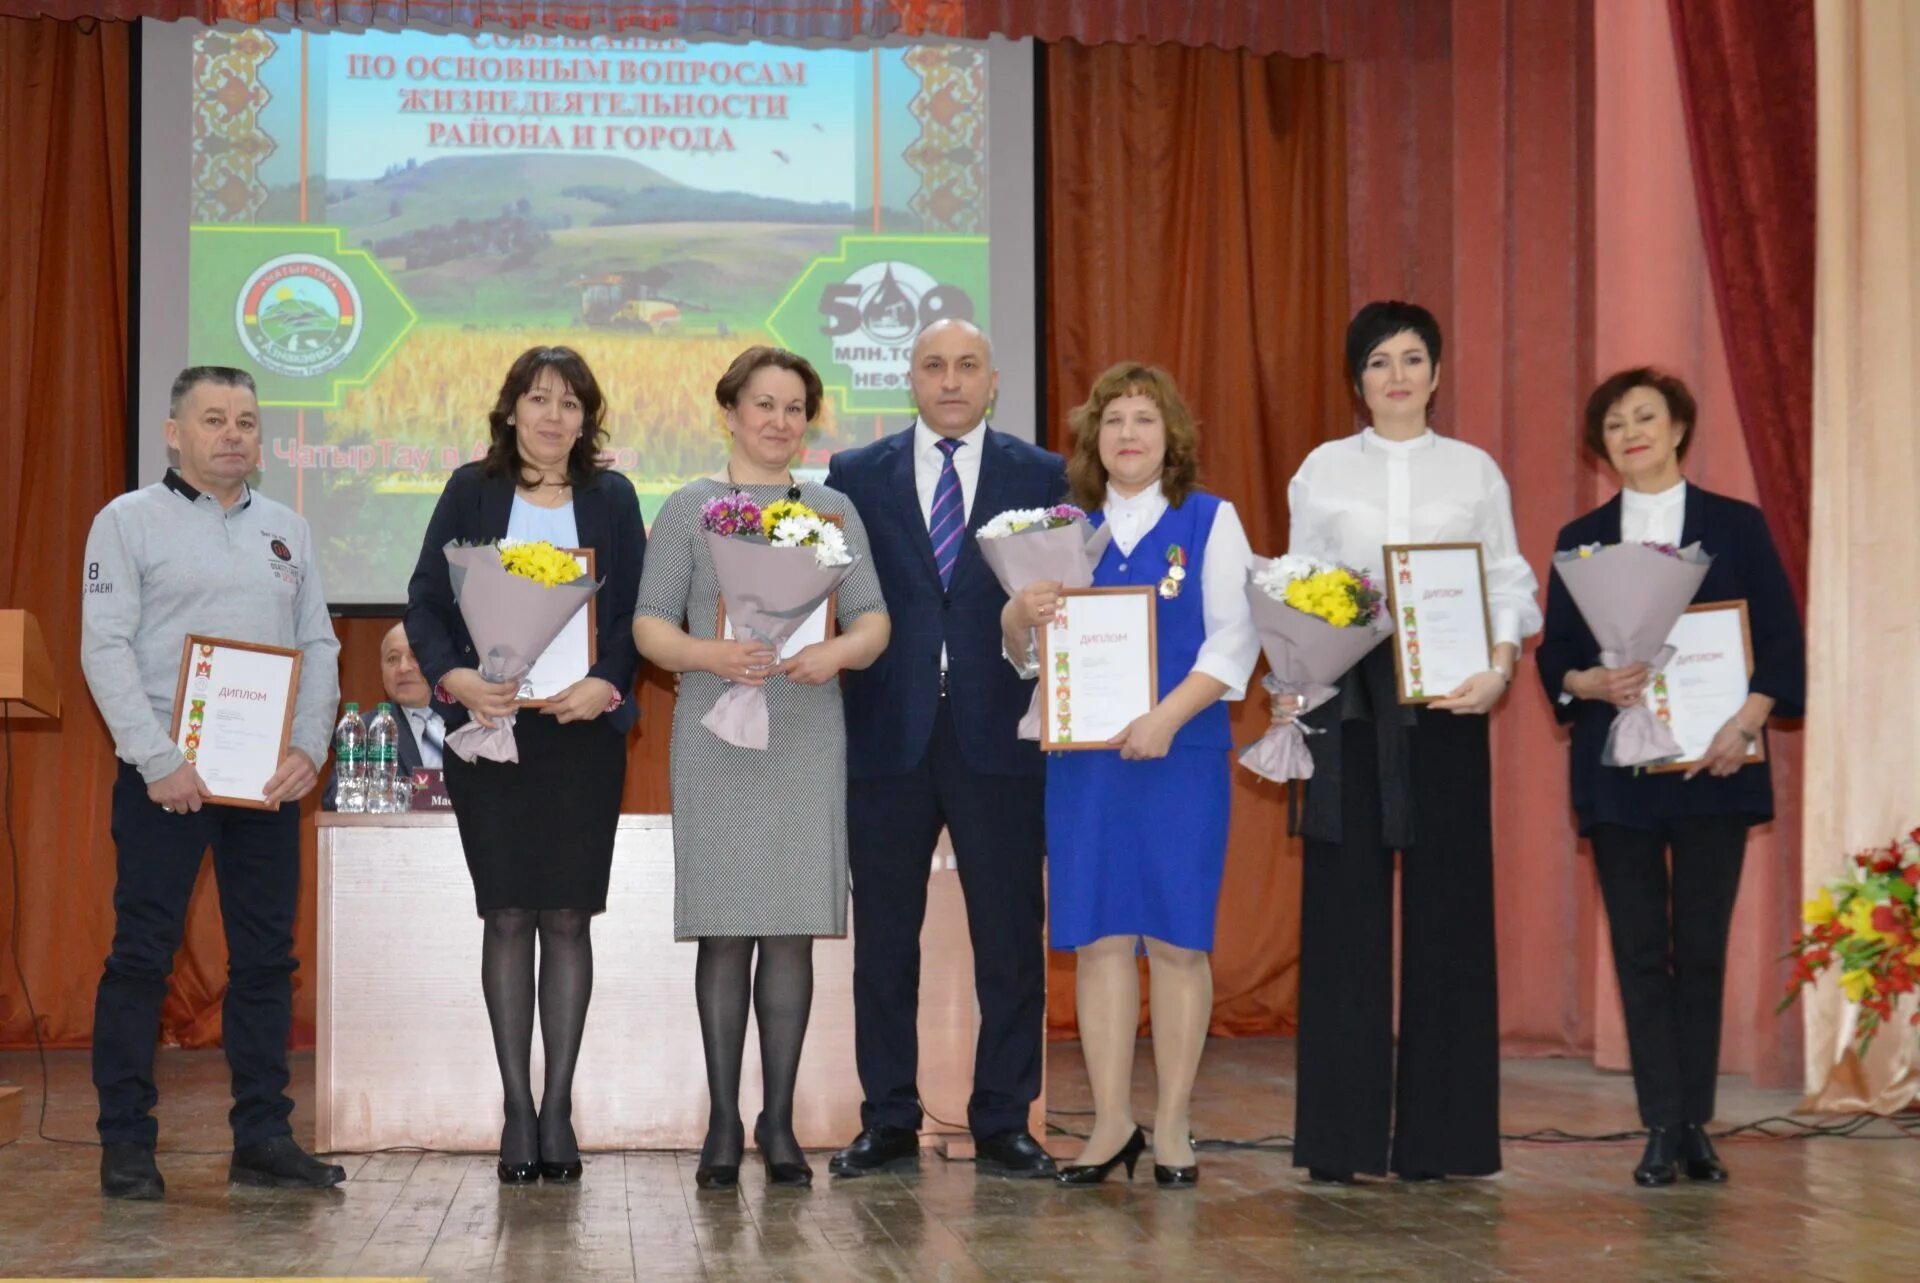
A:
(352, 707)
(384, 707)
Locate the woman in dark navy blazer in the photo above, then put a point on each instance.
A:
(538, 833)
(1669, 932)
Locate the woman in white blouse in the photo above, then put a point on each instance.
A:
(1137, 836)
(1413, 780)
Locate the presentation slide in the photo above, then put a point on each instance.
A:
(375, 224)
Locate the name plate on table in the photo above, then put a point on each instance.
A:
(572, 653)
(427, 790)
(1442, 631)
(233, 714)
(1099, 662)
(1706, 681)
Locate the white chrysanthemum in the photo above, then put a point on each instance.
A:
(828, 543)
(1273, 578)
(1010, 522)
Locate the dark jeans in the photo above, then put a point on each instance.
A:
(256, 864)
(998, 827)
(1670, 952)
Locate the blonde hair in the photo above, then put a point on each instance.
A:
(1087, 475)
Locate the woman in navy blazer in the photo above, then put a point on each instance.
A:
(538, 833)
(1669, 933)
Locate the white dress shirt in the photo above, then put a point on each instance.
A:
(1354, 496)
(1232, 646)
(418, 720)
(1654, 518)
(927, 461)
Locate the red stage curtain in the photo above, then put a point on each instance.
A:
(1196, 220)
(1747, 73)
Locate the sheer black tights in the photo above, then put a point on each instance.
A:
(564, 987)
(780, 991)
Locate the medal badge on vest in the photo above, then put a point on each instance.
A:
(1176, 572)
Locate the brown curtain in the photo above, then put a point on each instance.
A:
(1196, 218)
(63, 279)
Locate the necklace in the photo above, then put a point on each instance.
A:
(793, 487)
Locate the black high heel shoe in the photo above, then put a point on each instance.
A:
(1697, 1157)
(717, 1175)
(1177, 1177)
(1328, 1176)
(1094, 1173)
(792, 1175)
(564, 1173)
(516, 1173)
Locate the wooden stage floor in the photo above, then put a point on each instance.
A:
(1830, 1209)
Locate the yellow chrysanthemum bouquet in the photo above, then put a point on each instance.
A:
(1316, 620)
(515, 597)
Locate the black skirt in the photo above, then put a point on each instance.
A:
(538, 833)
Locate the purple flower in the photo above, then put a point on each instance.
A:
(1064, 513)
(730, 515)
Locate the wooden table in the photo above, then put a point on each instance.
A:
(404, 1055)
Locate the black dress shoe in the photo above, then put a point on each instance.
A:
(1176, 1177)
(790, 1175)
(517, 1173)
(127, 1170)
(1014, 1154)
(1659, 1164)
(281, 1163)
(561, 1173)
(877, 1149)
(717, 1176)
(1697, 1156)
(1095, 1173)
(1328, 1176)
(1420, 1176)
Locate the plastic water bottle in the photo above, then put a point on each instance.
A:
(383, 759)
(350, 761)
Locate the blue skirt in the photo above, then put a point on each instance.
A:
(1136, 848)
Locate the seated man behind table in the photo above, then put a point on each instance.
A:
(421, 730)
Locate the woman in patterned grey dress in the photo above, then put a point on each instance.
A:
(759, 836)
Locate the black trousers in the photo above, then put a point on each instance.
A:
(1438, 1108)
(1670, 952)
(998, 826)
(256, 865)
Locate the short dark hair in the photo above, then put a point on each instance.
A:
(194, 375)
(1379, 321)
(1680, 406)
(727, 391)
(583, 460)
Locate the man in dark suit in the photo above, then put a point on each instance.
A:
(932, 742)
(413, 711)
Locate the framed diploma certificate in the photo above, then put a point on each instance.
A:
(817, 627)
(1099, 662)
(1705, 682)
(233, 714)
(573, 652)
(1442, 631)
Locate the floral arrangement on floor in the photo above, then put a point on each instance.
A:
(1866, 925)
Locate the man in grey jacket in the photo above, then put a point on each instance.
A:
(202, 552)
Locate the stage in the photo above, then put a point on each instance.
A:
(1831, 1209)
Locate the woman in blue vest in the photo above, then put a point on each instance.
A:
(1137, 836)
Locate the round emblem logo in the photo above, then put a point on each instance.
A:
(281, 551)
(298, 314)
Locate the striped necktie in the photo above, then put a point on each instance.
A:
(431, 738)
(947, 519)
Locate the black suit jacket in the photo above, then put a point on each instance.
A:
(1745, 566)
(475, 507)
(409, 758)
(890, 707)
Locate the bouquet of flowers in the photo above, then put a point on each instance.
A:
(1316, 620)
(515, 597)
(1026, 545)
(775, 566)
(1865, 923)
(1631, 596)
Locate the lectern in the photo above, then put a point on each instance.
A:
(27, 686)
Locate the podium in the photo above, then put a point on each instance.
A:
(27, 685)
